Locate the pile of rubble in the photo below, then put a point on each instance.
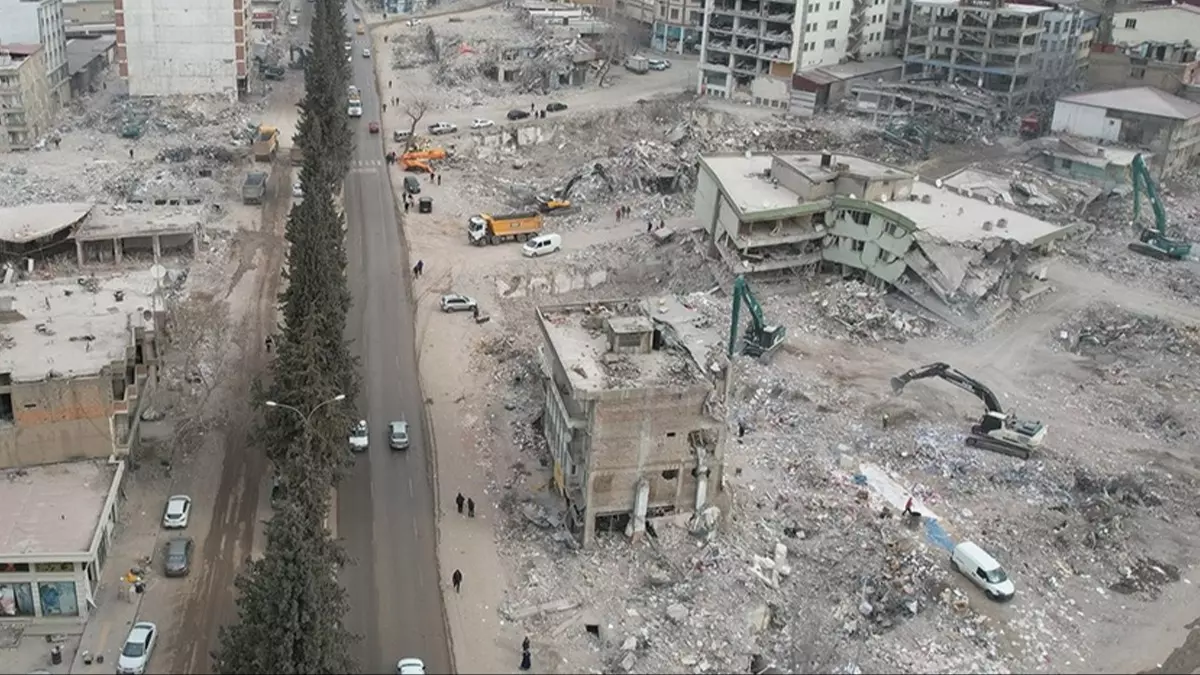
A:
(864, 314)
(1104, 330)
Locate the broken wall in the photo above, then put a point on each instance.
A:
(57, 420)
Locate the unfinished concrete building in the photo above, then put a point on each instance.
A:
(960, 257)
(98, 234)
(75, 356)
(985, 43)
(632, 417)
(749, 50)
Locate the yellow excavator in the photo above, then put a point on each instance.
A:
(560, 201)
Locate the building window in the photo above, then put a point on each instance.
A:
(856, 245)
(832, 25)
(7, 568)
(58, 598)
(674, 14)
(1131, 23)
(830, 43)
(54, 568)
(1137, 73)
(815, 7)
(16, 599)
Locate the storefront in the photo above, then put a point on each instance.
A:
(47, 588)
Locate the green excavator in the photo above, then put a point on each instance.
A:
(760, 340)
(1153, 241)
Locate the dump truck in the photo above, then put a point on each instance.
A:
(493, 229)
(255, 188)
(266, 142)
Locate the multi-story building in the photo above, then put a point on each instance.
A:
(750, 48)
(40, 22)
(988, 44)
(26, 108)
(674, 25)
(632, 412)
(82, 13)
(1154, 44)
(1064, 48)
(188, 47)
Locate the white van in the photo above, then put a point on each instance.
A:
(983, 570)
(543, 244)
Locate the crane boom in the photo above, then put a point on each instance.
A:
(953, 376)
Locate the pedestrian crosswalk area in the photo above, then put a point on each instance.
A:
(367, 162)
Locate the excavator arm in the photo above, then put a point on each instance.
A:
(953, 376)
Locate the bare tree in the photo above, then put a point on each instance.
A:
(194, 365)
(415, 109)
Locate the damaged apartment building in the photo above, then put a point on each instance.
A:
(632, 413)
(960, 256)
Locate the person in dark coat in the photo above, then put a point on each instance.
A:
(456, 579)
(525, 644)
(470, 508)
(526, 661)
(458, 501)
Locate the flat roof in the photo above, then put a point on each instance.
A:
(81, 51)
(853, 69)
(20, 48)
(745, 183)
(957, 218)
(63, 326)
(114, 222)
(1007, 7)
(1140, 100)
(809, 164)
(577, 334)
(53, 508)
(22, 224)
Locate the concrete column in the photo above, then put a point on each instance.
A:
(641, 503)
(195, 244)
(79, 252)
(117, 250)
(157, 241)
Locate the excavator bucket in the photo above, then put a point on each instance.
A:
(898, 384)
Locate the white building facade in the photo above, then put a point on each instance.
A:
(40, 22)
(183, 47)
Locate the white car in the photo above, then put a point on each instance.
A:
(439, 128)
(457, 303)
(482, 124)
(356, 19)
(175, 516)
(360, 437)
(135, 654)
(414, 22)
(410, 666)
(354, 111)
(297, 190)
(543, 244)
(366, 53)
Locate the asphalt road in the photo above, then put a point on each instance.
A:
(386, 505)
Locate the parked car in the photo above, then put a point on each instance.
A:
(366, 53)
(983, 570)
(482, 124)
(398, 435)
(439, 128)
(457, 303)
(177, 561)
(179, 508)
(556, 107)
(517, 114)
(373, 127)
(360, 437)
(658, 64)
(543, 244)
(356, 19)
(354, 111)
(297, 190)
(411, 185)
(138, 648)
(401, 135)
(410, 666)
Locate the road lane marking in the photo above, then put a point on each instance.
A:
(410, 487)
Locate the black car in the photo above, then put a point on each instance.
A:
(178, 559)
(518, 114)
(556, 107)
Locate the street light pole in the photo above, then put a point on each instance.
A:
(307, 418)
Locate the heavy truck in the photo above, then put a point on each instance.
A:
(494, 229)
(266, 143)
(255, 188)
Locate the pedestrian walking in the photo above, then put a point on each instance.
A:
(420, 267)
(439, 179)
(389, 84)
(531, 107)
(459, 501)
(270, 342)
(432, 176)
(741, 429)
(885, 420)
(618, 214)
(470, 507)
(384, 107)
(417, 273)
(456, 579)
(526, 661)
(525, 644)
(649, 224)
(131, 153)
(908, 507)
(406, 206)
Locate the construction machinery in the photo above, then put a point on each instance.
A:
(493, 229)
(418, 160)
(266, 142)
(1154, 241)
(759, 340)
(997, 431)
(909, 133)
(560, 202)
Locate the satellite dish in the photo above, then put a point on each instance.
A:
(938, 182)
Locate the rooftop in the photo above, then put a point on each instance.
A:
(850, 69)
(956, 218)
(1007, 7)
(70, 327)
(1141, 100)
(81, 52)
(809, 165)
(578, 335)
(110, 222)
(22, 224)
(54, 508)
(744, 180)
(20, 49)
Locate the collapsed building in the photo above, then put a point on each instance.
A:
(960, 256)
(632, 414)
